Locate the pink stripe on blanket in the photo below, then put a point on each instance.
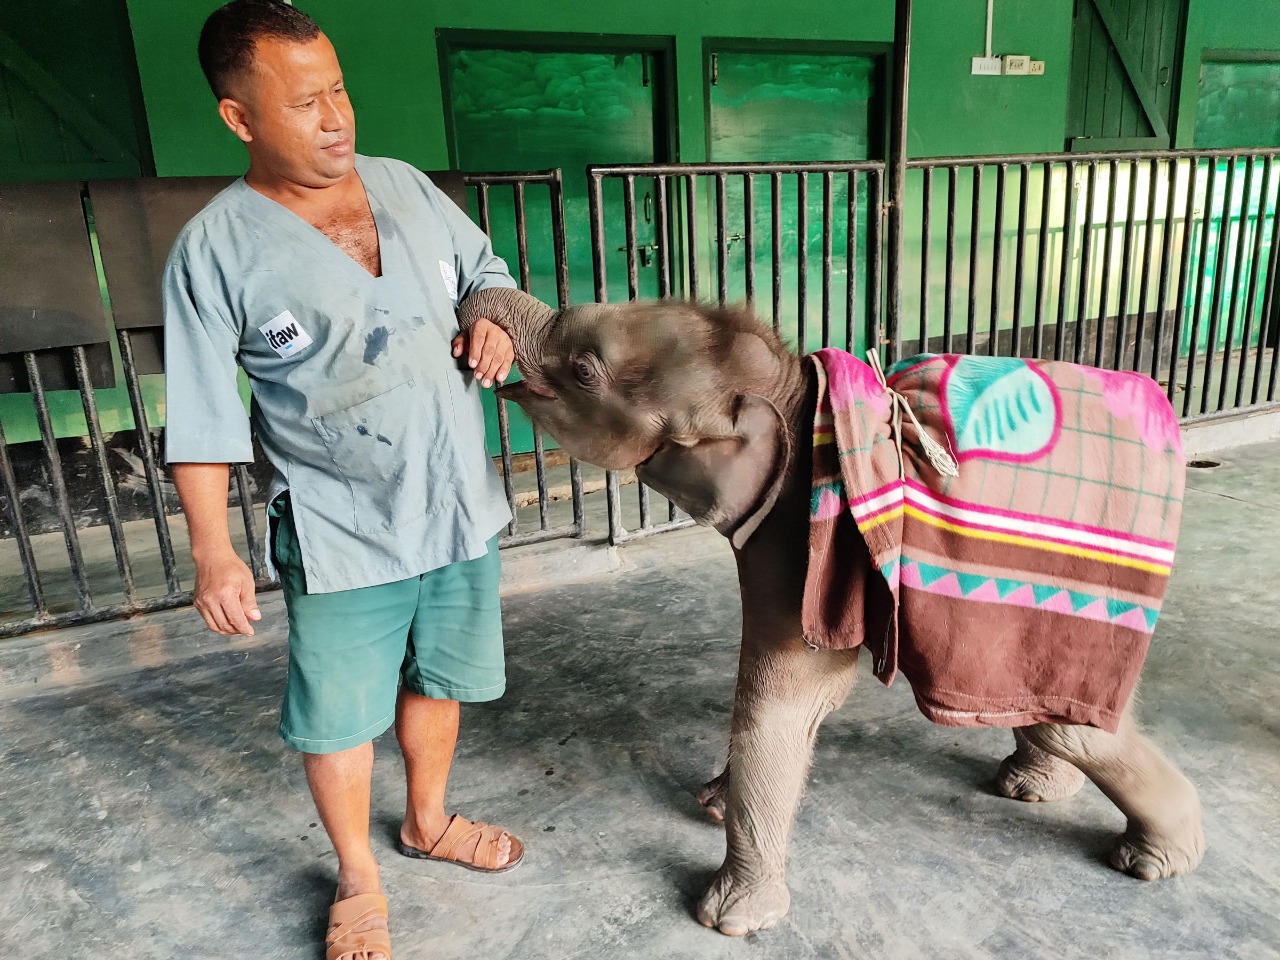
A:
(894, 488)
(920, 488)
(1040, 537)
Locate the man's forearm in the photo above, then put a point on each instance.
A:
(202, 488)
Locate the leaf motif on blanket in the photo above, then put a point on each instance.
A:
(1000, 408)
(1132, 396)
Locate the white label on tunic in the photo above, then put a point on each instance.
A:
(285, 335)
(450, 280)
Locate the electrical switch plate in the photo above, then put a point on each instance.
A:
(986, 67)
(1017, 66)
(1036, 68)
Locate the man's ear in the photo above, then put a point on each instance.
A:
(236, 118)
(730, 481)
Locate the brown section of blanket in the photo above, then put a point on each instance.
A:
(971, 664)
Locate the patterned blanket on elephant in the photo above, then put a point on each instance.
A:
(1025, 587)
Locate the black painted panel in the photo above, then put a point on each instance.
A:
(137, 221)
(49, 294)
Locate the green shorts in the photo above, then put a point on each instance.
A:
(440, 634)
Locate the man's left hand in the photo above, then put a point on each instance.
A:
(489, 349)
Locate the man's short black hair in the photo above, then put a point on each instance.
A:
(226, 42)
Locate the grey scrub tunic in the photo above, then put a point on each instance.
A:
(357, 401)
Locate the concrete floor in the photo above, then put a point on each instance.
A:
(154, 813)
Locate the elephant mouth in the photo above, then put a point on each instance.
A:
(645, 462)
(524, 390)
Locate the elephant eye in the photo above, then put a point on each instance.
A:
(583, 371)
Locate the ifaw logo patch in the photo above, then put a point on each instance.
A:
(285, 335)
(450, 278)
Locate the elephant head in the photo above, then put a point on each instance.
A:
(702, 401)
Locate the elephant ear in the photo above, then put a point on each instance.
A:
(729, 481)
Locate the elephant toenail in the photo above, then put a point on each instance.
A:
(1145, 870)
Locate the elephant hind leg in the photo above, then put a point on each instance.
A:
(1036, 776)
(1164, 836)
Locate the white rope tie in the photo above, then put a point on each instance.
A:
(939, 457)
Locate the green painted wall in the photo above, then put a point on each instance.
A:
(1221, 25)
(953, 113)
(390, 55)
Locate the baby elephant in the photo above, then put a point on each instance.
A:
(999, 530)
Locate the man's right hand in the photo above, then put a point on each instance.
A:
(225, 594)
(224, 585)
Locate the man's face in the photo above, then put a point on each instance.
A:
(291, 110)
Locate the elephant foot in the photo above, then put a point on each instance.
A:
(736, 908)
(1033, 776)
(1151, 855)
(712, 796)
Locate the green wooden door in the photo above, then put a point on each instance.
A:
(1124, 70)
(70, 99)
(520, 110)
(771, 106)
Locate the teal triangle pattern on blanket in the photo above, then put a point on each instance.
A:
(1007, 587)
(1118, 608)
(980, 588)
(1081, 600)
(1043, 593)
(827, 497)
(929, 574)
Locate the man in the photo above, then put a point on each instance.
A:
(332, 280)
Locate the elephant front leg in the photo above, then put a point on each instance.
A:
(782, 697)
(713, 793)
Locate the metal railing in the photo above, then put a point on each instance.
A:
(814, 229)
(1160, 262)
(483, 185)
(59, 537)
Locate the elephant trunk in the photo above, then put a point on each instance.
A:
(524, 318)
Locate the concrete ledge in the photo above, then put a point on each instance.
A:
(54, 660)
(557, 562)
(1209, 436)
(77, 656)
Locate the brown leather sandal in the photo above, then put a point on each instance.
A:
(455, 837)
(343, 940)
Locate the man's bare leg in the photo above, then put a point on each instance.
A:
(428, 732)
(340, 785)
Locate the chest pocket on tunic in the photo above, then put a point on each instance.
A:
(385, 451)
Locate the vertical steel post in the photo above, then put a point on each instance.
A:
(897, 172)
